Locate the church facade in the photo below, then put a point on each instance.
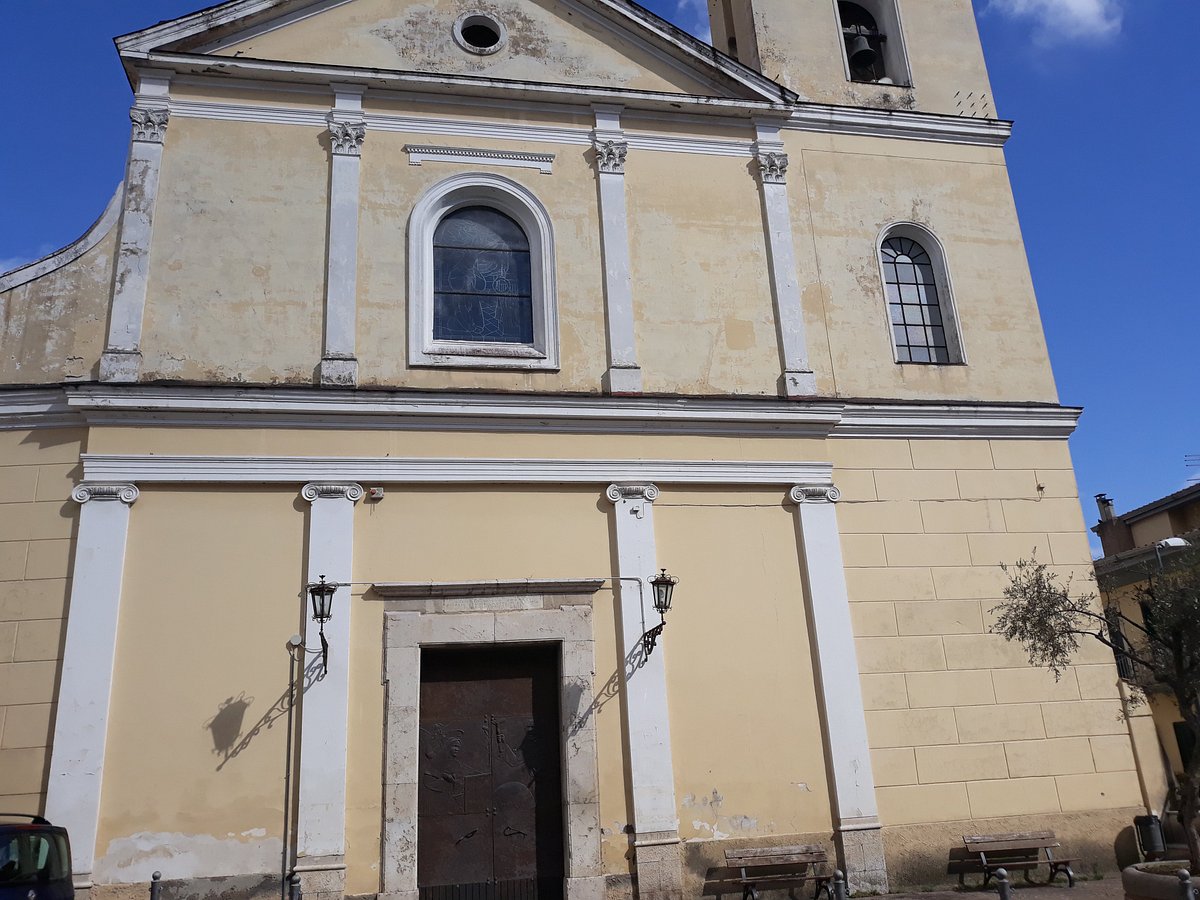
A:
(483, 315)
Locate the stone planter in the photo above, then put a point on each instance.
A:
(1142, 885)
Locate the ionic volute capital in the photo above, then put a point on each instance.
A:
(618, 492)
(814, 493)
(86, 491)
(149, 125)
(339, 491)
(346, 138)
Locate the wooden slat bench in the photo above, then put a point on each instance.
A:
(754, 869)
(1022, 850)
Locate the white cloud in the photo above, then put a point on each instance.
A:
(1064, 20)
(692, 17)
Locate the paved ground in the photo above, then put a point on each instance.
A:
(1107, 888)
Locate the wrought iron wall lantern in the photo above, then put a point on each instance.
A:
(322, 611)
(663, 587)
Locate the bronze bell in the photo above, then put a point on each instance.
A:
(862, 54)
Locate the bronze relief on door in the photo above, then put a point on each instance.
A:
(489, 804)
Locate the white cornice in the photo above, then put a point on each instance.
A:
(151, 469)
(807, 117)
(36, 408)
(268, 407)
(900, 124)
(449, 127)
(423, 153)
(68, 254)
(954, 420)
(423, 590)
(107, 405)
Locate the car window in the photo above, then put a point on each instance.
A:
(31, 857)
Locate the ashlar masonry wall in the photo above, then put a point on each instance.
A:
(963, 731)
(37, 521)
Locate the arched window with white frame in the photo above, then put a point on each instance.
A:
(920, 305)
(481, 277)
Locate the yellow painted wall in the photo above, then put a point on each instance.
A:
(740, 672)
(799, 44)
(38, 469)
(391, 187)
(464, 534)
(848, 192)
(547, 42)
(237, 274)
(960, 725)
(212, 593)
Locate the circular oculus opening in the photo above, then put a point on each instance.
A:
(478, 33)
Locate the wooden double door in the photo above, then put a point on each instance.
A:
(489, 807)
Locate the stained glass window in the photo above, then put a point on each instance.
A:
(913, 304)
(481, 278)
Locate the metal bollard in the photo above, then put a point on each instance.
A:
(1186, 891)
(294, 888)
(839, 885)
(1003, 886)
(156, 886)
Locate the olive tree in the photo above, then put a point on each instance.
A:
(1156, 634)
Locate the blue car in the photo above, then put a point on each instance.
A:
(35, 860)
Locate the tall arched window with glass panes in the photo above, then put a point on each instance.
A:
(914, 302)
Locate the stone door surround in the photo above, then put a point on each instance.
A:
(488, 613)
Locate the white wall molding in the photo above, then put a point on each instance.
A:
(848, 751)
(122, 357)
(339, 364)
(158, 469)
(35, 408)
(900, 124)
(610, 149)
(658, 855)
(812, 118)
(239, 407)
(68, 254)
(797, 378)
(423, 153)
(89, 659)
(324, 711)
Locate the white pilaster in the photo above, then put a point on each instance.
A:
(321, 810)
(623, 375)
(798, 379)
(339, 365)
(655, 819)
(856, 815)
(89, 656)
(122, 357)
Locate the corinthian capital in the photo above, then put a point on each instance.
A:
(610, 155)
(772, 166)
(149, 125)
(341, 491)
(347, 138)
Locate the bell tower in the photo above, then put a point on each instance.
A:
(921, 55)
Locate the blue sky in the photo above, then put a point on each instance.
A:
(1103, 163)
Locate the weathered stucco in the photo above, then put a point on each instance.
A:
(52, 329)
(799, 44)
(548, 42)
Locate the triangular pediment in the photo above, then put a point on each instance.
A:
(607, 44)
